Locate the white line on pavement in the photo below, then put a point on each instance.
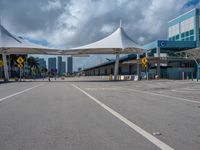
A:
(2, 99)
(144, 133)
(162, 95)
(194, 89)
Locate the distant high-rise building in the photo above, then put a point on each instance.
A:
(59, 65)
(52, 64)
(63, 70)
(69, 65)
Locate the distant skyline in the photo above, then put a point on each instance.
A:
(71, 23)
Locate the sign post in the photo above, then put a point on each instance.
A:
(20, 70)
(145, 65)
(1, 72)
(1, 66)
(20, 61)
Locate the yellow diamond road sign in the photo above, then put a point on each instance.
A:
(144, 61)
(20, 65)
(1, 63)
(20, 60)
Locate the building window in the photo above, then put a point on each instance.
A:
(191, 32)
(182, 35)
(192, 38)
(177, 37)
(187, 24)
(187, 33)
(173, 30)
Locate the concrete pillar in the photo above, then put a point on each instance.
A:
(138, 66)
(116, 66)
(5, 66)
(147, 68)
(158, 62)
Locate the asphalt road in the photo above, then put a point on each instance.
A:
(86, 114)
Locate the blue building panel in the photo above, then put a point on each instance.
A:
(183, 17)
(170, 44)
(176, 44)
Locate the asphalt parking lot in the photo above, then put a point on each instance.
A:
(90, 113)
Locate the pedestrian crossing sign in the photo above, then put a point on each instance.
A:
(20, 65)
(144, 61)
(20, 60)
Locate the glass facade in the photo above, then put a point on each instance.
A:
(184, 28)
(184, 33)
(188, 35)
(173, 32)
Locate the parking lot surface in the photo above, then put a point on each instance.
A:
(91, 113)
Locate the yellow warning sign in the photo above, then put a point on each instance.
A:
(1, 63)
(20, 60)
(144, 61)
(144, 65)
(20, 65)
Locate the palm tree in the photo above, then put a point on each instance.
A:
(44, 71)
(33, 64)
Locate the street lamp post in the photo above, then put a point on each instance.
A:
(197, 66)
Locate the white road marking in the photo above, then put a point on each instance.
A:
(178, 90)
(4, 98)
(141, 131)
(162, 95)
(185, 90)
(190, 89)
(103, 89)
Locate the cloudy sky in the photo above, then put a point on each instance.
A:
(71, 23)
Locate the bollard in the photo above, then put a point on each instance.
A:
(192, 76)
(183, 76)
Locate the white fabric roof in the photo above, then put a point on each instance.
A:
(191, 53)
(12, 44)
(117, 41)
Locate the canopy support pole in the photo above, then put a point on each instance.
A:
(138, 66)
(116, 66)
(158, 62)
(147, 67)
(197, 66)
(5, 65)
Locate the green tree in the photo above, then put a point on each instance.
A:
(33, 65)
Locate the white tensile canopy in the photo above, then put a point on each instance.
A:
(195, 52)
(116, 43)
(11, 44)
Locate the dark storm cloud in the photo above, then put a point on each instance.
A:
(70, 23)
(76, 22)
(26, 16)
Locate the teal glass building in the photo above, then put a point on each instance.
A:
(185, 27)
(183, 33)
